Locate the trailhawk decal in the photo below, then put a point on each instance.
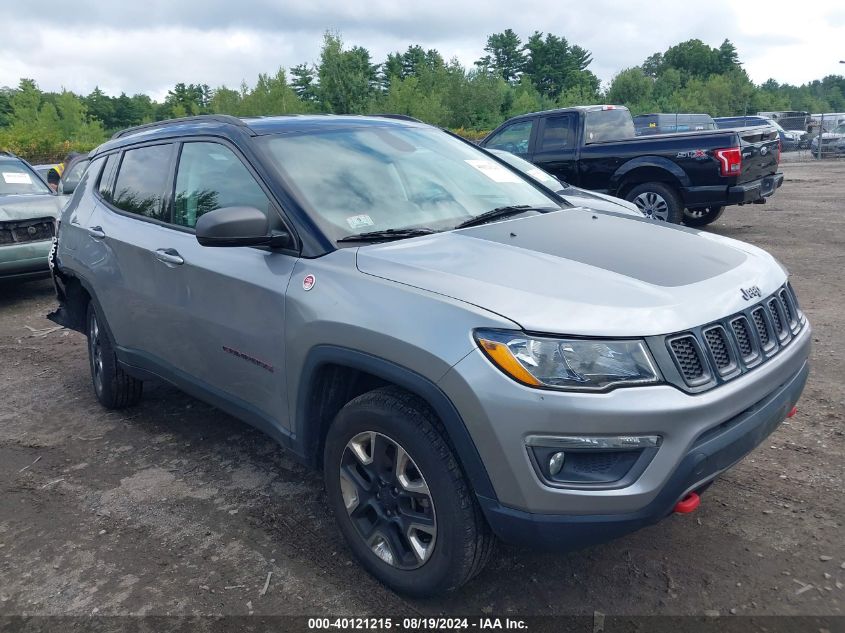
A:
(249, 358)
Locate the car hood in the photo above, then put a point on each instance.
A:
(583, 272)
(593, 200)
(28, 207)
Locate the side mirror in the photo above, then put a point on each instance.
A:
(67, 187)
(238, 226)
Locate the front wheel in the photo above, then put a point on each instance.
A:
(400, 497)
(702, 217)
(657, 201)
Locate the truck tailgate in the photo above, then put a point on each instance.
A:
(759, 153)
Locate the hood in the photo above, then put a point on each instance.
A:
(602, 202)
(583, 272)
(29, 207)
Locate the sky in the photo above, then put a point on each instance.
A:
(149, 45)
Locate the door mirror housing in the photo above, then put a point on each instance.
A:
(67, 187)
(238, 226)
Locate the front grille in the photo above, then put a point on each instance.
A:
(26, 231)
(762, 327)
(718, 344)
(685, 351)
(780, 329)
(736, 346)
(743, 336)
(788, 309)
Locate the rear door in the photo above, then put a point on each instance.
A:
(126, 224)
(555, 147)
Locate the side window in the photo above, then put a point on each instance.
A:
(557, 134)
(104, 186)
(513, 139)
(211, 176)
(142, 180)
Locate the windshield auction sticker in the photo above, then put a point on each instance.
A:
(359, 221)
(493, 171)
(16, 178)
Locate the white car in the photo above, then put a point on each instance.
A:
(573, 195)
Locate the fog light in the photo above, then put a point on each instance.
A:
(556, 463)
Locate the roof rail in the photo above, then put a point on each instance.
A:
(219, 118)
(401, 117)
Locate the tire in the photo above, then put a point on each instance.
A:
(658, 201)
(115, 389)
(702, 217)
(449, 541)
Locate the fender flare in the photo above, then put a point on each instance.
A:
(309, 434)
(655, 162)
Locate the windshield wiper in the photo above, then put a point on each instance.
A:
(495, 214)
(388, 234)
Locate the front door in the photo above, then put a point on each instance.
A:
(225, 306)
(554, 150)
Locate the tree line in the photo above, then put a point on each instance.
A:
(512, 77)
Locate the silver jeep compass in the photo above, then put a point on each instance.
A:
(464, 354)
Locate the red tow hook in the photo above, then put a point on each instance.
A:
(792, 412)
(688, 503)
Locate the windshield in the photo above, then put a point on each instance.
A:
(839, 129)
(379, 177)
(18, 179)
(608, 125)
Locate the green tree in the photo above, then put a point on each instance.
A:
(505, 55)
(632, 87)
(554, 66)
(303, 83)
(347, 77)
(271, 95)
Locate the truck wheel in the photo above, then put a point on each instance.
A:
(400, 497)
(702, 217)
(115, 388)
(657, 201)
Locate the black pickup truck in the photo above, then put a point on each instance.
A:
(688, 177)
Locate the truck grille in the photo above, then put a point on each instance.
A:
(23, 231)
(728, 348)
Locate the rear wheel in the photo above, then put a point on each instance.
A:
(115, 389)
(657, 201)
(400, 497)
(702, 217)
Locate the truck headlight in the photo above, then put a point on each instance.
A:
(569, 364)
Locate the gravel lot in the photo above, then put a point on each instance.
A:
(176, 508)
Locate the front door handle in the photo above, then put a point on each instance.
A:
(169, 256)
(96, 231)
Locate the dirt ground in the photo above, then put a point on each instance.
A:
(176, 508)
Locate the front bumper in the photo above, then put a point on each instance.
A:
(25, 260)
(712, 452)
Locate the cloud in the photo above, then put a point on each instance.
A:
(148, 46)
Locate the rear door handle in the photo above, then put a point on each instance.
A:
(96, 231)
(169, 256)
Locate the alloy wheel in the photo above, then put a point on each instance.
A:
(95, 350)
(388, 500)
(653, 205)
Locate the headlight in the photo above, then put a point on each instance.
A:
(569, 364)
